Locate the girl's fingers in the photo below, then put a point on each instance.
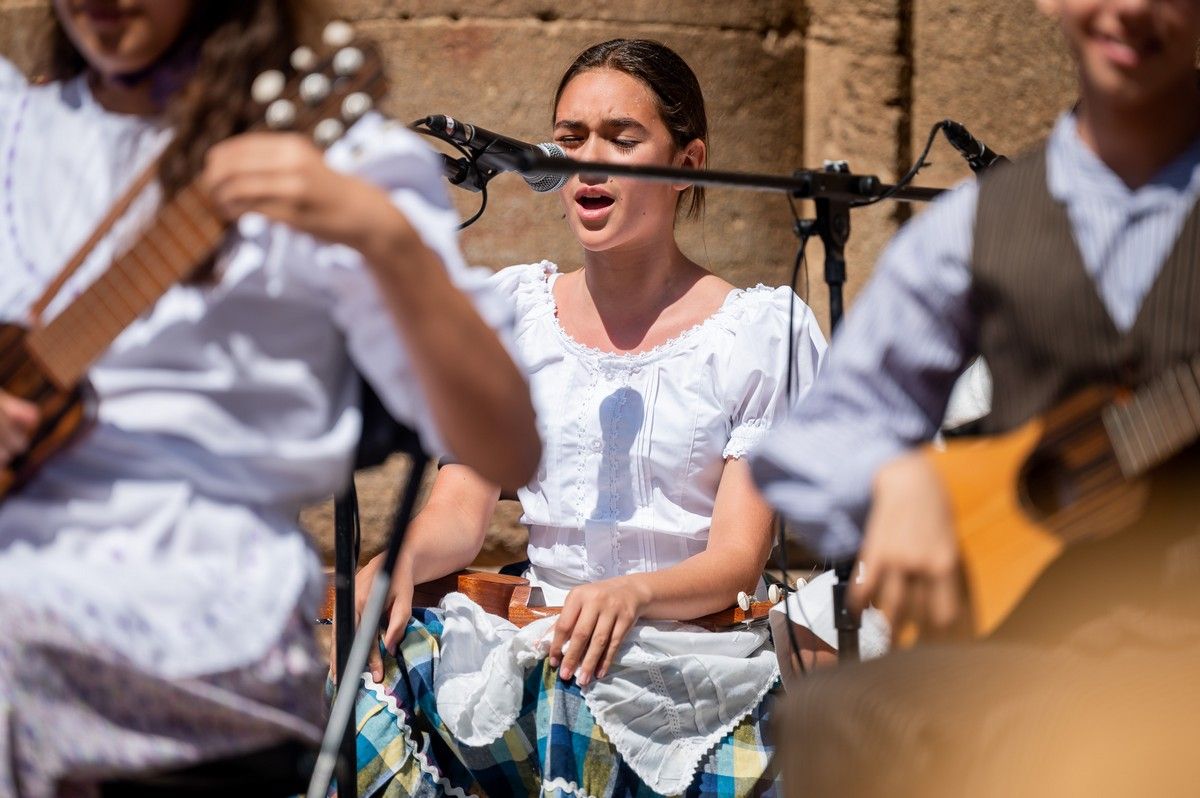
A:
(398, 619)
(620, 629)
(581, 633)
(562, 628)
(597, 646)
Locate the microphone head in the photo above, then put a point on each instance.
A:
(543, 183)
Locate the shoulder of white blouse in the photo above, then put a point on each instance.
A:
(766, 309)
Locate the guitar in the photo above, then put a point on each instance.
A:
(1019, 500)
(46, 365)
(509, 597)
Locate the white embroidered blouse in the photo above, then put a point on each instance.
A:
(635, 444)
(634, 447)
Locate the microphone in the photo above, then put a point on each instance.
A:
(978, 156)
(497, 153)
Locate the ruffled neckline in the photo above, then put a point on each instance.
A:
(727, 311)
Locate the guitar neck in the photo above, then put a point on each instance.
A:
(1160, 420)
(185, 233)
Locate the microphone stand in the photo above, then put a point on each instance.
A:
(835, 191)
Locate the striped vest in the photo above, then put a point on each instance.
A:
(1043, 328)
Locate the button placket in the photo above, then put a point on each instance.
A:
(599, 538)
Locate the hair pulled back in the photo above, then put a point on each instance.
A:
(672, 82)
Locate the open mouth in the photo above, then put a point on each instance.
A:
(594, 203)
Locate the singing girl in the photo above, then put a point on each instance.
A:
(653, 378)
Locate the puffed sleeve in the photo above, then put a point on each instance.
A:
(394, 158)
(758, 363)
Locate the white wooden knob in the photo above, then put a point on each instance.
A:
(775, 594)
(314, 88)
(328, 131)
(303, 59)
(743, 601)
(281, 115)
(347, 61)
(355, 105)
(267, 86)
(338, 33)
(800, 582)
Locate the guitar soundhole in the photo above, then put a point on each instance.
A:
(1048, 485)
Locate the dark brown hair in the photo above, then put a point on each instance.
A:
(224, 45)
(670, 80)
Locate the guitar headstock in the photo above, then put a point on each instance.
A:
(326, 90)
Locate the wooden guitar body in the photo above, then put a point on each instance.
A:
(1018, 500)
(63, 412)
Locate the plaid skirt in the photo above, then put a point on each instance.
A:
(554, 748)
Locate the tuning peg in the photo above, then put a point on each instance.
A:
(774, 593)
(799, 583)
(355, 105)
(328, 131)
(743, 601)
(267, 86)
(281, 115)
(314, 88)
(347, 61)
(338, 33)
(303, 59)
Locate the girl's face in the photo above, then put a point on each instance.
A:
(121, 37)
(1130, 51)
(607, 115)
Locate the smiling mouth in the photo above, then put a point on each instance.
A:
(1128, 50)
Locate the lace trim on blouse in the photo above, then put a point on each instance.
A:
(727, 311)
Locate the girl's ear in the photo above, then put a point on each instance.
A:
(693, 156)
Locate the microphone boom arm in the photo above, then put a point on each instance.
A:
(803, 184)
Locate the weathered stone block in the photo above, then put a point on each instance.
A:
(1001, 69)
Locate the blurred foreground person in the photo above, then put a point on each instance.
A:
(1074, 266)
(154, 586)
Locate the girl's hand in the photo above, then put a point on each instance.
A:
(285, 177)
(595, 619)
(397, 609)
(18, 421)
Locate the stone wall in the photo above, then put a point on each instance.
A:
(789, 83)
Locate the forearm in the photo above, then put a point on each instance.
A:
(477, 395)
(704, 583)
(448, 533)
